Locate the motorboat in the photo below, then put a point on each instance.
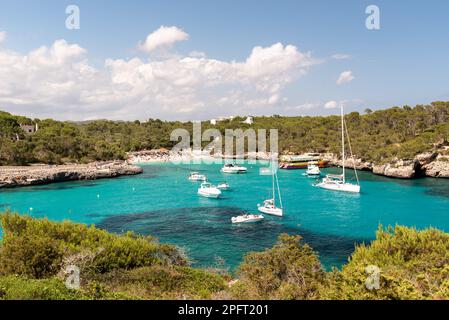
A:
(313, 170)
(223, 186)
(247, 218)
(338, 182)
(209, 191)
(233, 168)
(196, 176)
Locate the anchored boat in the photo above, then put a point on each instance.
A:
(233, 168)
(247, 218)
(290, 162)
(338, 182)
(313, 170)
(269, 205)
(209, 191)
(195, 176)
(223, 186)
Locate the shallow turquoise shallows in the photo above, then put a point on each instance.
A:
(163, 203)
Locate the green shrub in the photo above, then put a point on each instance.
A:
(414, 265)
(38, 248)
(21, 288)
(289, 270)
(164, 282)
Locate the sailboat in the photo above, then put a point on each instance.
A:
(269, 205)
(338, 182)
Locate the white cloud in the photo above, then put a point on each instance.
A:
(59, 82)
(331, 104)
(2, 36)
(345, 77)
(162, 38)
(341, 56)
(197, 54)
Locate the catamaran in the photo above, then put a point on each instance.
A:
(269, 205)
(209, 191)
(233, 168)
(338, 182)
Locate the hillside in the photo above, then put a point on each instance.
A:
(380, 137)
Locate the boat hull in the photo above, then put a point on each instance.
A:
(344, 187)
(207, 194)
(301, 165)
(255, 218)
(233, 171)
(274, 212)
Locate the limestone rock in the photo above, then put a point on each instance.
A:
(403, 169)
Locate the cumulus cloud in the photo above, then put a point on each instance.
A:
(341, 56)
(162, 38)
(58, 81)
(345, 77)
(331, 104)
(197, 54)
(2, 36)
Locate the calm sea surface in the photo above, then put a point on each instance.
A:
(163, 203)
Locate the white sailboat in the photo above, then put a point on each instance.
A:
(338, 182)
(269, 205)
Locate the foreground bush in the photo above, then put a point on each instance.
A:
(162, 282)
(40, 248)
(35, 252)
(413, 265)
(289, 270)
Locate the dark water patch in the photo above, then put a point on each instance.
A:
(208, 232)
(55, 186)
(436, 187)
(67, 186)
(146, 176)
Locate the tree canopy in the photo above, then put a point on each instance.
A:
(377, 136)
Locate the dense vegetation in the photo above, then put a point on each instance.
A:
(377, 136)
(34, 253)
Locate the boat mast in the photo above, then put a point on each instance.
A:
(272, 176)
(279, 192)
(343, 141)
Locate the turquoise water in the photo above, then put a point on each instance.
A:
(163, 203)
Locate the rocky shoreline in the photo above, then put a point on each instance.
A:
(11, 176)
(430, 164)
(433, 164)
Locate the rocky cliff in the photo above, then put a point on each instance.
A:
(45, 174)
(431, 164)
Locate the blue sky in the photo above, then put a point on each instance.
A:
(405, 62)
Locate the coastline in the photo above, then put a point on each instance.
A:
(431, 164)
(21, 176)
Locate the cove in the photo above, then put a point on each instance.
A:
(163, 203)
